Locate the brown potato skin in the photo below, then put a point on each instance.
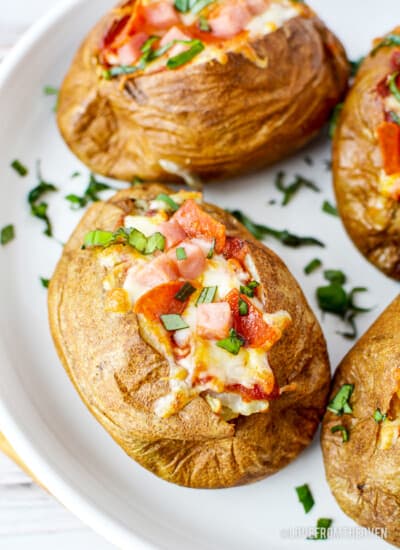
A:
(363, 478)
(118, 375)
(372, 221)
(212, 119)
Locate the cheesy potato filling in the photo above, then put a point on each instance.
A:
(199, 303)
(153, 35)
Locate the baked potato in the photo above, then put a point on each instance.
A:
(188, 340)
(363, 472)
(200, 87)
(366, 157)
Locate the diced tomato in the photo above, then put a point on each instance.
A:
(235, 248)
(389, 143)
(252, 326)
(214, 320)
(160, 270)
(197, 223)
(193, 265)
(161, 300)
(130, 51)
(395, 60)
(161, 15)
(231, 19)
(116, 28)
(382, 88)
(256, 393)
(257, 6)
(172, 232)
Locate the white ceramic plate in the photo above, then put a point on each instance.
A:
(40, 412)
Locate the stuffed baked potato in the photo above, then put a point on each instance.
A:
(363, 472)
(206, 88)
(188, 340)
(366, 157)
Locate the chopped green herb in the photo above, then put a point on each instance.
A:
(185, 292)
(19, 168)
(389, 40)
(379, 417)
(90, 194)
(75, 174)
(199, 5)
(45, 282)
(232, 344)
(322, 529)
(137, 240)
(40, 211)
(173, 322)
(98, 238)
(355, 65)
(184, 57)
(394, 117)
(41, 189)
(155, 242)
(137, 181)
(305, 497)
(335, 276)
(249, 289)
(207, 295)
(334, 119)
(340, 403)
(148, 44)
(333, 299)
(291, 189)
(7, 234)
(243, 307)
(50, 90)
(182, 5)
(212, 249)
(285, 237)
(312, 266)
(343, 429)
(393, 85)
(328, 208)
(181, 253)
(168, 201)
(203, 24)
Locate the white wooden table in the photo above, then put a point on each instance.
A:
(30, 519)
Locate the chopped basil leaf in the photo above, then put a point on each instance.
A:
(98, 238)
(212, 249)
(19, 168)
(185, 292)
(203, 24)
(173, 321)
(40, 211)
(249, 289)
(232, 344)
(7, 234)
(343, 429)
(243, 307)
(333, 299)
(199, 5)
(379, 417)
(137, 181)
(168, 201)
(182, 5)
(335, 276)
(393, 85)
(340, 402)
(322, 529)
(75, 174)
(155, 242)
(137, 240)
(90, 194)
(50, 90)
(305, 497)
(285, 237)
(41, 189)
(291, 189)
(148, 44)
(328, 208)
(184, 57)
(207, 295)
(355, 65)
(312, 266)
(45, 282)
(389, 40)
(334, 119)
(181, 253)
(120, 69)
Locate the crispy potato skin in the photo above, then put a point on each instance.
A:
(118, 375)
(372, 221)
(363, 478)
(212, 119)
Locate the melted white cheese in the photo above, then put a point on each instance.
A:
(272, 19)
(146, 224)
